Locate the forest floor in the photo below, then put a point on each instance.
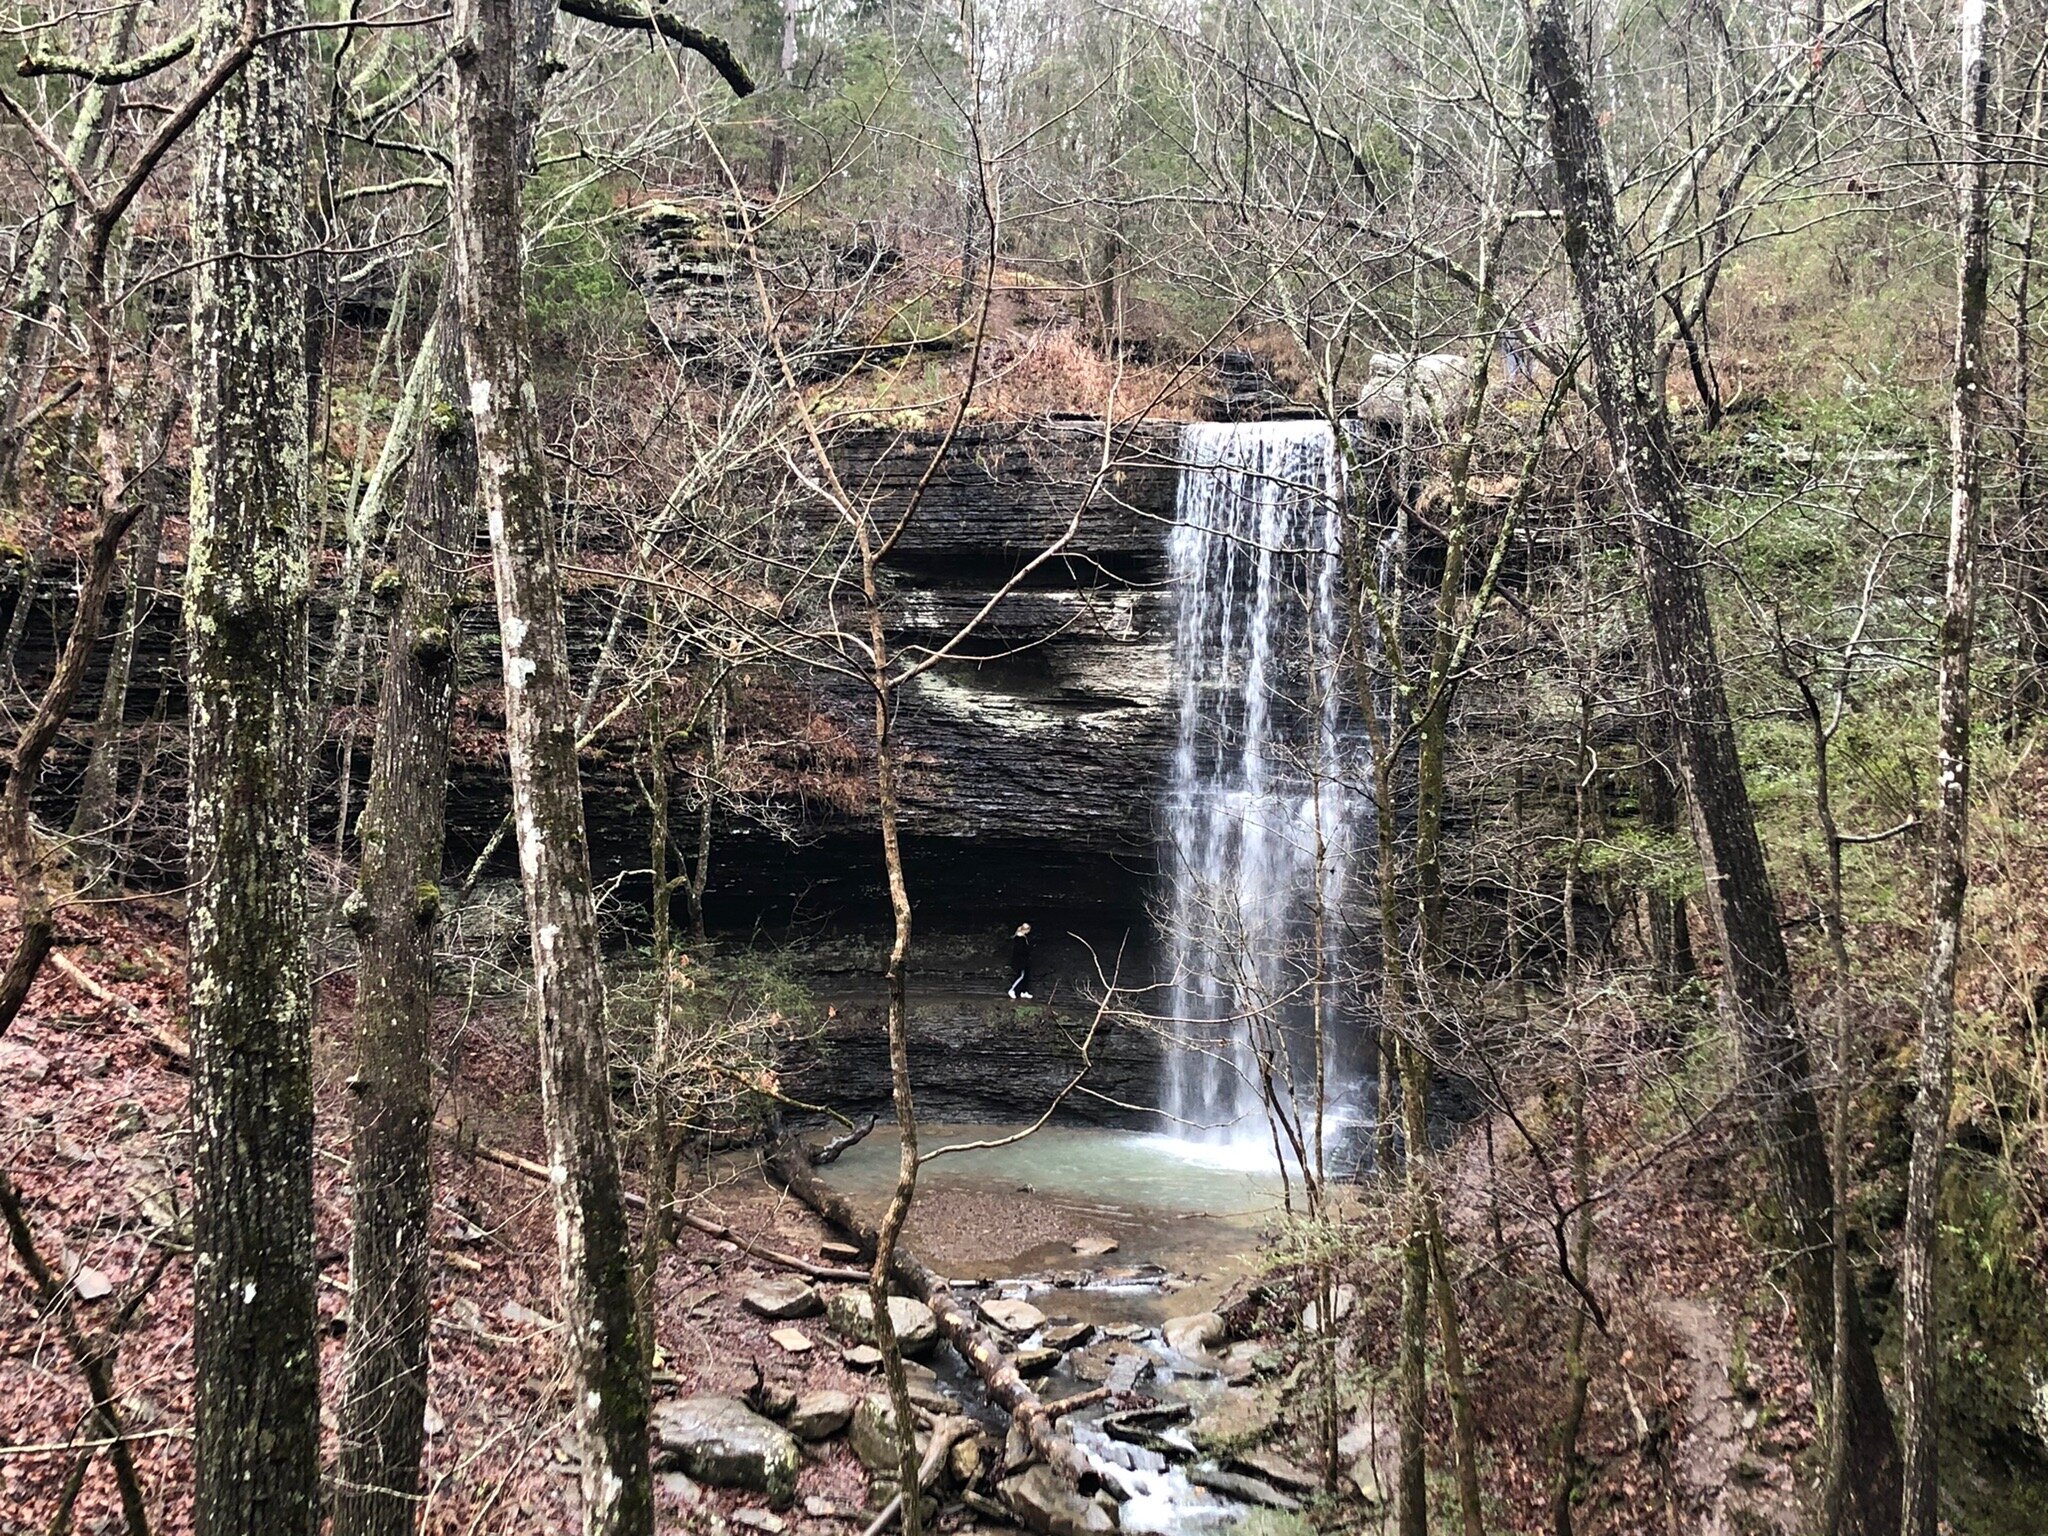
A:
(1698, 1417)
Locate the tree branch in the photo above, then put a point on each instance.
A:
(125, 72)
(714, 50)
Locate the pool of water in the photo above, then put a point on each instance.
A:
(1199, 1212)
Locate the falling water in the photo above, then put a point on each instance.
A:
(1266, 784)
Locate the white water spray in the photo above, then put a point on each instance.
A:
(1267, 789)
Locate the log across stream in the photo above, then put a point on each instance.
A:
(1109, 1235)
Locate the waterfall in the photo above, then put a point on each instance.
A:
(1268, 786)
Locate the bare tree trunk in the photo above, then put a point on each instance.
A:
(498, 74)
(394, 912)
(93, 815)
(2031, 580)
(42, 279)
(257, 1361)
(1758, 992)
(1918, 1364)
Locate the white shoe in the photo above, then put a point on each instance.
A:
(1024, 995)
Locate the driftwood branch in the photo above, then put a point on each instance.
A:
(789, 1164)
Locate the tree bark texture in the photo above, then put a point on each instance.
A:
(248, 582)
(495, 75)
(394, 913)
(1920, 1398)
(1757, 995)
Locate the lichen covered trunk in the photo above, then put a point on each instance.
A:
(255, 1347)
(496, 72)
(394, 912)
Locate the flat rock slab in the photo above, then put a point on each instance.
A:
(1094, 1247)
(794, 1340)
(721, 1441)
(1036, 1360)
(1047, 1503)
(781, 1299)
(1067, 1335)
(819, 1415)
(1277, 1470)
(838, 1253)
(1246, 1490)
(862, 1357)
(1017, 1318)
(853, 1313)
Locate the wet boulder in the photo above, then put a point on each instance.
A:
(1046, 1502)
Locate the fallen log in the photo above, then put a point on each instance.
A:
(638, 1202)
(789, 1164)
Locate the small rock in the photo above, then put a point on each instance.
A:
(1013, 1317)
(1099, 1360)
(1067, 1335)
(1191, 1336)
(525, 1317)
(1036, 1360)
(853, 1314)
(760, 1520)
(781, 1299)
(23, 1061)
(839, 1253)
(795, 1340)
(862, 1357)
(1243, 1360)
(1246, 1490)
(90, 1283)
(432, 1422)
(931, 1397)
(1094, 1247)
(968, 1457)
(721, 1441)
(1045, 1502)
(819, 1415)
(680, 1487)
(820, 1508)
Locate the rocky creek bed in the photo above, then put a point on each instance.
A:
(1097, 1259)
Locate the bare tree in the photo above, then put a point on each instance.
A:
(248, 583)
(500, 53)
(1918, 1375)
(1614, 309)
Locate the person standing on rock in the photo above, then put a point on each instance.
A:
(1020, 962)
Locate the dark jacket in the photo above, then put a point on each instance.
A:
(1020, 955)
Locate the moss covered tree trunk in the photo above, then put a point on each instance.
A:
(393, 912)
(1757, 991)
(496, 72)
(256, 1466)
